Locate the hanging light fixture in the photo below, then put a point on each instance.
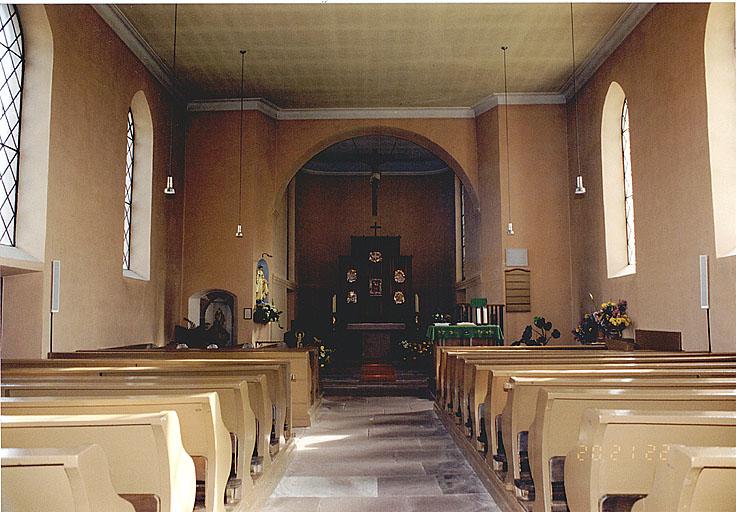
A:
(169, 190)
(510, 227)
(239, 230)
(579, 187)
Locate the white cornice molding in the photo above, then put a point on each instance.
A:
(281, 114)
(133, 39)
(517, 98)
(619, 31)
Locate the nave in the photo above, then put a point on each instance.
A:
(378, 453)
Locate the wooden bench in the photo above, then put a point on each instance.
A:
(521, 405)
(241, 409)
(304, 364)
(441, 353)
(693, 479)
(555, 429)
(614, 461)
(478, 389)
(73, 479)
(276, 373)
(469, 387)
(204, 435)
(144, 451)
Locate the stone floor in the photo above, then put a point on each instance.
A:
(378, 454)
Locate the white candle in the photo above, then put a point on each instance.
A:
(416, 303)
(485, 315)
(334, 303)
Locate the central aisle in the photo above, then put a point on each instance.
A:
(378, 454)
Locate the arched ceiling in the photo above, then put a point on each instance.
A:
(372, 55)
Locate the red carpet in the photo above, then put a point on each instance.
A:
(378, 373)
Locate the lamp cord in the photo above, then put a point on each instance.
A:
(240, 188)
(173, 108)
(506, 111)
(575, 89)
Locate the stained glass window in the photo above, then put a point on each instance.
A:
(129, 154)
(11, 62)
(628, 185)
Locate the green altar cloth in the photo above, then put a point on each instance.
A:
(466, 332)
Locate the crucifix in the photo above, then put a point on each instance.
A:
(375, 180)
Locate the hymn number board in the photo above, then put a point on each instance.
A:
(375, 282)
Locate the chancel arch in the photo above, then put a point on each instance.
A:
(394, 199)
(452, 140)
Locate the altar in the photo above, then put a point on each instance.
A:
(375, 338)
(374, 303)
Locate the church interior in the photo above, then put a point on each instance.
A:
(368, 256)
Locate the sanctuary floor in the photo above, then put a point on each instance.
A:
(378, 454)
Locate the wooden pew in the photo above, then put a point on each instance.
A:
(276, 372)
(522, 393)
(469, 385)
(478, 388)
(442, 355)
(303, 362)
(204, 435)
(617, 452)
(144, 451)
(73, 479)
(555, 428)
(693, 479)
(241, 408)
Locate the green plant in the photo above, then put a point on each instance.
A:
(539, 336)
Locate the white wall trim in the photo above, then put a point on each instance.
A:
(619, 31)
(273, 111)
(133, 39)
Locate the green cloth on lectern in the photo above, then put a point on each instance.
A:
(478, 302)
(443, 332)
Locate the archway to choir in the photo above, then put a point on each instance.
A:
(375, 241)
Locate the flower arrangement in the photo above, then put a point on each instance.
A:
(416, 351)
(265, 313)
(543, 332)
(609, 320)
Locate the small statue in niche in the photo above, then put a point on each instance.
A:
(261, 286)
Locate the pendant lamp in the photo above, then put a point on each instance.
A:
(169, 190)
(579, 187)
(239, 230)
(510, 227)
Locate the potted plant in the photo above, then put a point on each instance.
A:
(607, 322)
(540, 336)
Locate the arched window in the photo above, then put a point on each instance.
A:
(11, 62)
(618, 190)
(138, 183)
(628, 185)
(129, 166)
(720, 86)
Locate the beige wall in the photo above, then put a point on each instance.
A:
(660, 67)
(94, 79)
(539, 209)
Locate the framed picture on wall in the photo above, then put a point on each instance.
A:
(247, 313)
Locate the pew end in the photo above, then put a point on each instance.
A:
(75, 479)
